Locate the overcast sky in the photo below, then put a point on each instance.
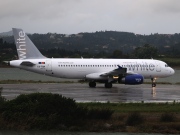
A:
(74, 16)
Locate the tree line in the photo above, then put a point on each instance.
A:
(102, 44)
(8, 52)
(107, 41)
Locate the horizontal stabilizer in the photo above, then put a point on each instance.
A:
(7, 63)
(27, 63)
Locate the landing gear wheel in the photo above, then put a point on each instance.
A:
(108, 85)
(153, 82)
(92, 84)
(153, 86)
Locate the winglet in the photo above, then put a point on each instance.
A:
(122, 69)
(119, 67)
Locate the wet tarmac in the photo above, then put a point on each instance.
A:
(82, 93)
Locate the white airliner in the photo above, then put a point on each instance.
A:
(108, 71)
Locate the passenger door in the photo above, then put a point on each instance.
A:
(48, 65)
(158, 67)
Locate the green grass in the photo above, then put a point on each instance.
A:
(139, 117)
(136, 107)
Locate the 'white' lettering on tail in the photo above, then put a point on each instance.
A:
(21, 45)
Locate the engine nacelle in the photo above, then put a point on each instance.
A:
(132, 79)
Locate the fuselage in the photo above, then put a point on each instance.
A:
(80, 68)
(108, 71)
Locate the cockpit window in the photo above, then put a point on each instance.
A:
(166, 65)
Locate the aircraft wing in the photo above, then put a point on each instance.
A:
(131, 73)
(119, 71)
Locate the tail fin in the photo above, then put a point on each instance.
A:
(25, 47)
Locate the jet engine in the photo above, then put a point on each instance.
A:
(131, 79)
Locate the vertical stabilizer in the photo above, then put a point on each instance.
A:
(25, 47)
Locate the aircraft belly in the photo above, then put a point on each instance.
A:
(72, 74)
(146, 74)
(149, 75)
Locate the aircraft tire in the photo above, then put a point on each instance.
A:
(108, 85)
(92, 84)
(153, 84)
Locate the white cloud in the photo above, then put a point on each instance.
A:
(73, 16)
(165, 6)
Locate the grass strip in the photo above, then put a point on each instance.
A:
(136, 107)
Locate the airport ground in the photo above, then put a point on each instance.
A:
(82, 93)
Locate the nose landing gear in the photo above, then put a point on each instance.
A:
(153, 86)
(153, 82)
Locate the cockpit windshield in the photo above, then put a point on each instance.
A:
(166, 65)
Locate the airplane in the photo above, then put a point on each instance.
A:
(107, 71)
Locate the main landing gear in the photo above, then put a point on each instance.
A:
(108, 85)
(92, 84)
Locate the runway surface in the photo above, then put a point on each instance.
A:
(82, 93)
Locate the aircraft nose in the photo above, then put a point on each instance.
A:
(172, 71)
